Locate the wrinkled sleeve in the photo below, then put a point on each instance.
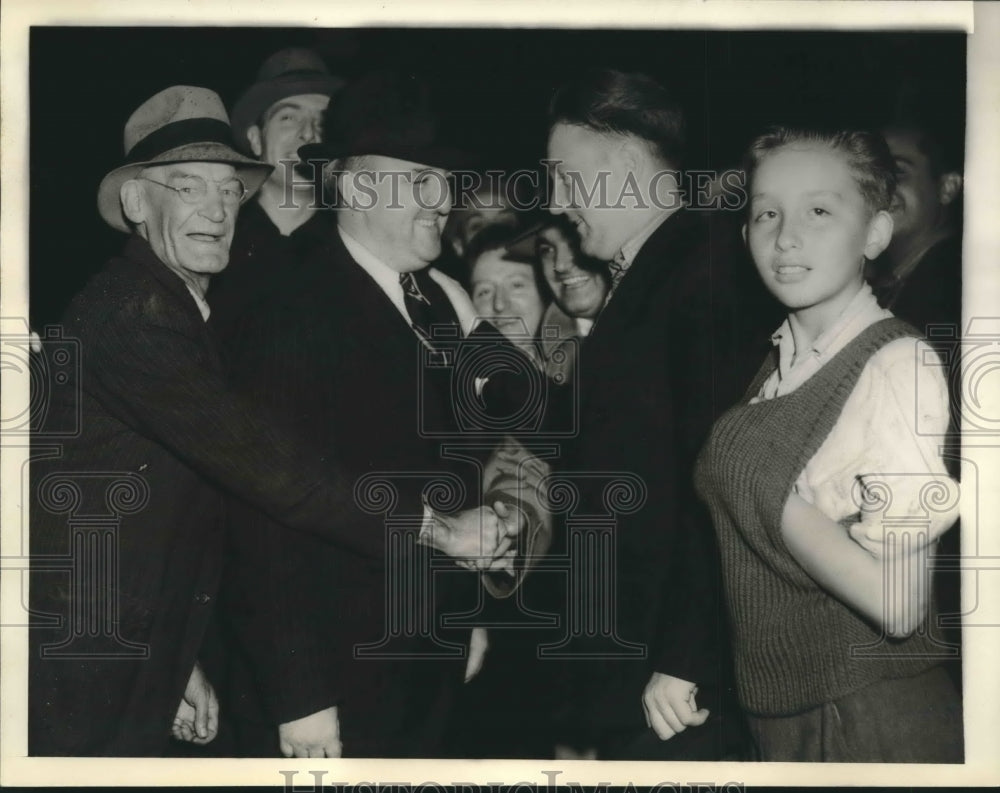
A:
(902, 488)
(153, 374)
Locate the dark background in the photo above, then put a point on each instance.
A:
(492, 86)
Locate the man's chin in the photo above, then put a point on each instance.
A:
(211, 266)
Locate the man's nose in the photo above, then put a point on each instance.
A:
(499, 301)
(789, 235)
(309, 131)
(213, 207)
(563, 264)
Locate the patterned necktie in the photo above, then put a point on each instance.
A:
(617, 268)
(426, 303)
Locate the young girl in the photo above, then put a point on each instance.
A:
(825, 483)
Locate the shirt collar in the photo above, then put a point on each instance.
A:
(138, 248)
(200, 302)
(631, 248)
(383, 274)
(584, 326)
(863, 310)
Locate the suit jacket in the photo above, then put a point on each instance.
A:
(160, 437)
(673, 348)
(261, 258)
(340, 361)
(932, 293)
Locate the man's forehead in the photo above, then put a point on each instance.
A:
(568, 139)
(553, 234)
(904, 144)
(299, 102)
(495, 259)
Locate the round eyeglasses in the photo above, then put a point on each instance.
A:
(194, 189)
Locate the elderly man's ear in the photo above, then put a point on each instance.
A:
(133, 199)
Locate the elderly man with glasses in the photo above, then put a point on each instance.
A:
(127, 513)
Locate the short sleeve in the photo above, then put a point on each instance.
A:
(881, 471)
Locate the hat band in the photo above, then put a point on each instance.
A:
(298, 74)
(180, 133)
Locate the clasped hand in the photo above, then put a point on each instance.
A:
(480, 538)
(197, 718)
(670, 706)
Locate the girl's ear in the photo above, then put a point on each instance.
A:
(879, 234)
(744, 232)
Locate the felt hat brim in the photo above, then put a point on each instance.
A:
(447, 158)
(524, 247)
(260, 96)
(253, 173)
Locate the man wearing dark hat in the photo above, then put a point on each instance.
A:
(126, 522)
(280, 112)
(359, 349)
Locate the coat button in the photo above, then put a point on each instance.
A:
(202, 598)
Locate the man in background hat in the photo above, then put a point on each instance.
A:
(126, 522)
(280, 112)
(359, 349)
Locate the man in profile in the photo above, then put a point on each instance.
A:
(666, 355)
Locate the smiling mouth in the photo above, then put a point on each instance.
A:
(575, 282)
(427, 223)
(789, 272)
(205, 237)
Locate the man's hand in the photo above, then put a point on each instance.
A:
(515, 471)
(479, 643)
(670, 706)
(316, 735)
(197, 719)
(478, 537)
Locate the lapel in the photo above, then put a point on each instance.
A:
(630, 307)
(351, 300)
(138, 252)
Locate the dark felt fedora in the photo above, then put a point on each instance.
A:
(183, 123)
(387, 114)
(288, 72)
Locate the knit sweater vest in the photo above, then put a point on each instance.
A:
(796, 646)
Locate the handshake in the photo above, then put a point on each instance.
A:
(478, 539)
(485, 538)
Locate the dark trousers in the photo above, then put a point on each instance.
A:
(908, 720)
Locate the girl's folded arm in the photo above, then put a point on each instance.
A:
(891, 591)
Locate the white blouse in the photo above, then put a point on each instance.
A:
(879, 472)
